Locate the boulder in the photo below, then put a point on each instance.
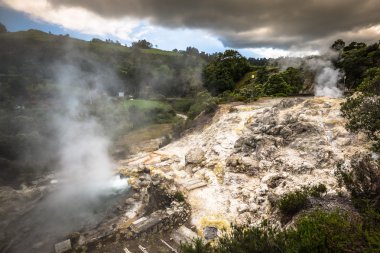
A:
(246, 144)
(239, 164)
(210, 233)
(303, 127)
(195, 156)
(273, 180)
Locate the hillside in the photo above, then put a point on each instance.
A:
(29, 58)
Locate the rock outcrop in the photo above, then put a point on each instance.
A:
(250, 155)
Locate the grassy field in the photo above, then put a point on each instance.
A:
(143, 104)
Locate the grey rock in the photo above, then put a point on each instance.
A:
(195, 156)
(210, 233)
(62, 246)
(246, 144)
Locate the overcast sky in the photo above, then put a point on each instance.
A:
(257, 28)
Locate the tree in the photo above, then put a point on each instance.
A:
(142, 44)
(356, 59)
(363, 110)
(277, 86)
(338, 45)
(294, 78)
(192, 51)
(355, 45)
(3, 29)
(224, 71)
(371, 82)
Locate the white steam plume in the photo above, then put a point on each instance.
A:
(327, 77)
(86, 168)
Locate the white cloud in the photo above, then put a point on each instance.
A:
(276, 52)
(76, 19)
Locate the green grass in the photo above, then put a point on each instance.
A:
(181, 105)
(143, 104)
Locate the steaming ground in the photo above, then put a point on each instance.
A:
(327, 77)
(85, 189)
(56, 216)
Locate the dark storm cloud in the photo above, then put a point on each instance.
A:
(252, 23)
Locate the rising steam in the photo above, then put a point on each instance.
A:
(85, 186)
(85, 165)
(327, 77)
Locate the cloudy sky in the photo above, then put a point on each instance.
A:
(256, 28)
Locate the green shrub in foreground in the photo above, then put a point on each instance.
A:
(293, 202)
(317, 191)
(319, 231)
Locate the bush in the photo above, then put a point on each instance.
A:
(178, 196)
(317, 191)
(318, 231)
(363, 181)
(293, 202)
(322, 231)
(196, 246)
(241, 238)
(363, 114)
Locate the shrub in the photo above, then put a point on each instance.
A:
(245, 238)
(292, 202)
(178, 196)
(363, 181)
(318, 231)
(196, 246)
(322, 231)
(317, 191)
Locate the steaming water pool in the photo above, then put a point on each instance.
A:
(52, 219)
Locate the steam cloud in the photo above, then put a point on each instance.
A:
(327, 77)
(85, 165)
(86, 185)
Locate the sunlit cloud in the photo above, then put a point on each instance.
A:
(276, 52)
(77, 19)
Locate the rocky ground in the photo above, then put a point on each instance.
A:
(251, 154)
(230, 170)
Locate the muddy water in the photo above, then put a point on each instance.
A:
(51, 220)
